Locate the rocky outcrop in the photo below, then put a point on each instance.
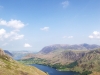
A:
(2, 52)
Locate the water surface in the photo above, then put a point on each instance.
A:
(52, 71)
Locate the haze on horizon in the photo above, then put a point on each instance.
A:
(33, 24)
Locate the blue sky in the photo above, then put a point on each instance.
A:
(33, 24)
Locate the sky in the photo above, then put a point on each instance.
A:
(33, 24)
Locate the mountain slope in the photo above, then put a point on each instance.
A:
(10, 67)
(90, 61)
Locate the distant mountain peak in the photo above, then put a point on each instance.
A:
(8, 53)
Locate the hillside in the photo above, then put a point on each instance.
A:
(90, 61)
(63, 54)
(8, 66)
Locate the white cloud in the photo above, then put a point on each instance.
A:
(65, 4)
(70, 37)
(45, 28)
(16, 24)
(67, 37)
(17, 37)
(13, 34)
(91, 37)
(2, 33)
(27, 45)
(95, 35)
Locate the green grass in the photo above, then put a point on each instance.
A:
(33, 61)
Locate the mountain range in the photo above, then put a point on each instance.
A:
(84, 46)
(62, 53)
(81, 58)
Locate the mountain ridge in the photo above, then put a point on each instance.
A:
(84, 46)
(9, 53)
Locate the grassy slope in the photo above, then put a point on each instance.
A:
(33, 61)
(95, 73)
(10, 67)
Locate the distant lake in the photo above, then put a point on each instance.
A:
(52, 71)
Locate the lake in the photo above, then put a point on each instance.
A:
(52, 71)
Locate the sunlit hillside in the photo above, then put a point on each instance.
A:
(8, 66)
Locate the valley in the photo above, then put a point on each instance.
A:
(82, 58)
(49, 37)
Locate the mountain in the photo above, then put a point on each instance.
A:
(62, 53)
(9, 53)
(89, 64)
(84, 46)
(8, 66)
